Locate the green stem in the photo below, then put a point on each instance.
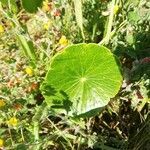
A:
(22, 136)
(94, 31)
(36, 131)
(106, 39)
(9, 130)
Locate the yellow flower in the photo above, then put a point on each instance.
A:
(1, 29)
(1, 143)
(29, 71)
(116, 8)
(46, 6)
(13, 121)
(47, 25)
(63, 41)
(2, 103)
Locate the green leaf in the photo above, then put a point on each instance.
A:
(130, 38)
(31, 5)
(135, 2)
(27, 47)
(134, 17)
(88, 74)
(11, 4)
(21, 147)
(4, 2)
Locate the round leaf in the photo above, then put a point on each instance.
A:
(88, 74)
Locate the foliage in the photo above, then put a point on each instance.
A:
(31, 5)
(86, 75)
(30, 41)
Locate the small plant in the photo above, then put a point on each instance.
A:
(74, 74)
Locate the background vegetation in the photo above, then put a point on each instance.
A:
(32, 32)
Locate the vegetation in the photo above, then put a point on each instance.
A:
(74, 74)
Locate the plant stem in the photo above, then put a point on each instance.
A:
(12, 143)
(106, 39)
(94, 31)
(36, 131)
(22, 136)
